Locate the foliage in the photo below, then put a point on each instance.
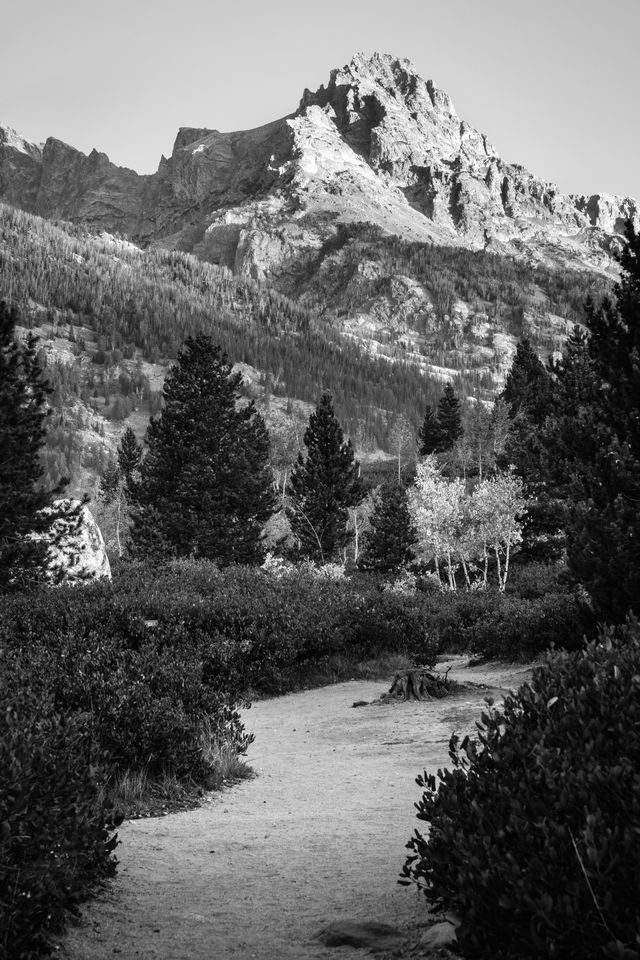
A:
(460, 527)
(532, 837)
(322, 486)
(205, 487)
(55, 835)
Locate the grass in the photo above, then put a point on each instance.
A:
(135, 794)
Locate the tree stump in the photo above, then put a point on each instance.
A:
(418, 684)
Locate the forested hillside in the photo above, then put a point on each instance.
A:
(111, 316)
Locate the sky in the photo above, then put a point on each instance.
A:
(555, 86)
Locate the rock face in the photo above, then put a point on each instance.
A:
(377, 145)
(80, 556)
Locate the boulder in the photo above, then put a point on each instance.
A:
(79, 555)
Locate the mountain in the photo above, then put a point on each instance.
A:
(377, 145)
(370, 242)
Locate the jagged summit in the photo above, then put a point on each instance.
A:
(378, 144)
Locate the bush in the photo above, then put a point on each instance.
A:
(55, 839)
(499, 626)
(533, 834)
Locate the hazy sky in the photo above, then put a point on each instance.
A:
(555, 84)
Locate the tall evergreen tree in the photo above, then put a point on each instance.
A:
(118, 483)
(442, 428)
(529, 394)
(129, 458)
(449, 419)
(572, 435)
(528, 388)
(205, 485)
(23, 415)
(604, 535)
(322, 486)
(392, 534)
(429, 434)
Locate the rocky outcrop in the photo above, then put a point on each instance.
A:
(20, 169)
(78, 555)
(59, 182)
(377, 145)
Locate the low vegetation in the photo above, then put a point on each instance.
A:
(533, 837)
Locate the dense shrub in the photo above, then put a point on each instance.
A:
(533, 580)
(55, 839)
(534, 836)
(503, 626)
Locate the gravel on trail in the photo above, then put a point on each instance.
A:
(317, 836)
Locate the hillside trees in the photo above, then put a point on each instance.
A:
(205, 486)
(323, 485)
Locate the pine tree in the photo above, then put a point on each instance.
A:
(441, 428)
(23, 414)
(205, 486)
(572, 436)
(528, 388)
(117, 484)
(429, 434)
(530, 395)
(322, 486)
(392, 534)
(129, 459)
(449, 419)
(604, 534)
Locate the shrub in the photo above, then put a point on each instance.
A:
(533, 834)
(55, 841)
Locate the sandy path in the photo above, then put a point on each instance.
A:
(317, 836)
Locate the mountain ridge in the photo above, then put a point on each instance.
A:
(378, 144)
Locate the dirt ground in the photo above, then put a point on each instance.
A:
(317, 836)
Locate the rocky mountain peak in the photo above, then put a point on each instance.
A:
(399, 122)
(377, 144)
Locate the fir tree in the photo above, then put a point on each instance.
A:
(429, 434)
(604, 533)
(322, 486)
(23, 415)
(528, 388)
(529, 394)
(118, 483)
(205, 486)
(129, 459)
(449, 420)
(392, 534)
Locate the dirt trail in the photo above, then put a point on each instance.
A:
(317, 836)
